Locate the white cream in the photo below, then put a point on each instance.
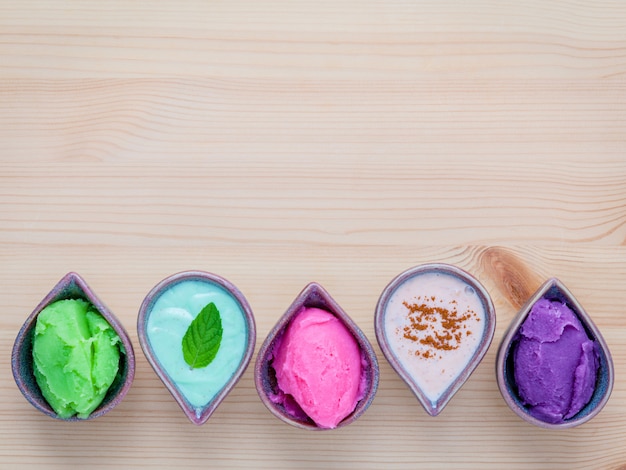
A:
(411, 327)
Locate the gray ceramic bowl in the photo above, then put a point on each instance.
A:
(312, 296)
(553, 289)
(414, 373)
(196, 414)
(71, 286)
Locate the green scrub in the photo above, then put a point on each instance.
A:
(76, 357)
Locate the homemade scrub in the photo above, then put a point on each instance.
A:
(433, 324)
(318, 366)
(198, 334)
(76, 356)
(555, 362)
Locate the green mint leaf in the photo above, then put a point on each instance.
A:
(203, 337)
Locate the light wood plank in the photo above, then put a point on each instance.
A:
(280, 142)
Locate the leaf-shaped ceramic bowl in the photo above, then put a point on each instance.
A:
(414, 316)
(71, 286)
(312, 296)
(164, 317)
(554, 290)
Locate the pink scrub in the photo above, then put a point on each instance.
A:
(318, 365)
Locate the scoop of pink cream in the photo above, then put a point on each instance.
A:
(318, 363)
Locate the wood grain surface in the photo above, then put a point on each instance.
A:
(281, 142)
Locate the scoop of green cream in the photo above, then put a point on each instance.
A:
(76, 357)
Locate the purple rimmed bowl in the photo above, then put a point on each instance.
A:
(412, 324)
(234, 309)
(554, 290)
(71, 286)
(312, 296)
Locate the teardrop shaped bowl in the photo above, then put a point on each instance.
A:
(408, 338)
(187, 293)
(312, 296)
(71, 286)
(553, 289)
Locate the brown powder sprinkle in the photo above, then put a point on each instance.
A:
(426, 323)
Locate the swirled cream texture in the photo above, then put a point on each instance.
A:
(555, 362)
(433, 324)
(319, 371)
(169, 319)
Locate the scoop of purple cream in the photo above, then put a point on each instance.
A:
(555, 362)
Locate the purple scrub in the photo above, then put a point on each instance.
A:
(555, 362)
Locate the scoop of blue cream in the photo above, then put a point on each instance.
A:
(170, 317)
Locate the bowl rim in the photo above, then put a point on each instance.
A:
(507, 342)
(142, 318)
(314, 295)
(434, 408)
(69, 280)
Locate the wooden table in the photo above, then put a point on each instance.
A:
(281, 142)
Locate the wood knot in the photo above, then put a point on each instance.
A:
(513, 278)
